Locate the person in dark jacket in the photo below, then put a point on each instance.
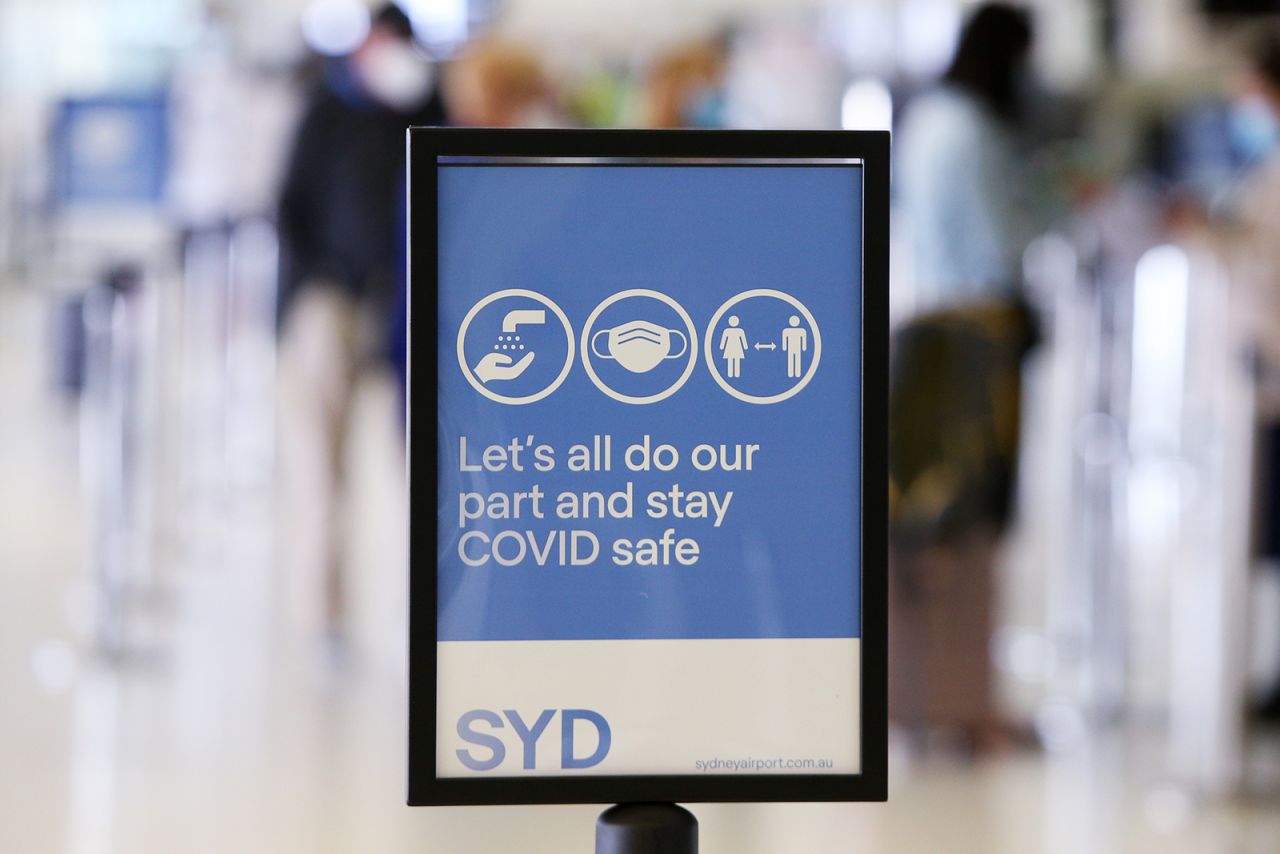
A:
(338, 209)
(340, 222)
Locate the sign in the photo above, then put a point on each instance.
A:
(647, 466)
(111, 150)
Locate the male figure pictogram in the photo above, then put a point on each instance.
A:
(794, 342)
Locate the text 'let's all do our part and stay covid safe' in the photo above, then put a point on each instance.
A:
(638, 346)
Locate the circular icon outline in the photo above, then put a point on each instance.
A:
(492, 298)
(585, 348)
(794, 303)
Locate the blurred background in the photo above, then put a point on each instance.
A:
(202, 511)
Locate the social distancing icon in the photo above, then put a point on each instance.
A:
(762, 346)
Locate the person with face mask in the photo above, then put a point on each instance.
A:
(1254, 135)
(1257, 260)
(341, 221)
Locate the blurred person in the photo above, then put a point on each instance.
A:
(499, 84)
(1256, 127)
(955, 377)
(961, 165)
(601, 98)
(341, 234)
(685, 87)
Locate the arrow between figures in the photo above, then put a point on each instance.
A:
(769, 346)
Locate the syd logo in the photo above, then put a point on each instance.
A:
(477, 727)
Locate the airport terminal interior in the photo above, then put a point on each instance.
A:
(203, 512)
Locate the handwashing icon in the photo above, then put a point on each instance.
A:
(496, 341)
(500, 365)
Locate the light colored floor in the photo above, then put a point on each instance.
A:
(226, 731)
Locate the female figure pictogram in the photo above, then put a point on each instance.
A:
(733, 346)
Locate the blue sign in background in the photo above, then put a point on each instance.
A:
(785, 561)
(111, 149)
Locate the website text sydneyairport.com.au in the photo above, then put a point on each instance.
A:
(774, 764)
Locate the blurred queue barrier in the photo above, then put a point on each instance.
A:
(165, 336)
(175, 383)
(1132, 556)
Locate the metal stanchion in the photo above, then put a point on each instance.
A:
(109, 446)
(646, 829)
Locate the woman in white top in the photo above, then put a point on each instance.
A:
(958, 166)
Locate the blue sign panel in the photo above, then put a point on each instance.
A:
(649, 402)
(111, 149)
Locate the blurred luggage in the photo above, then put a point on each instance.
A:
(954, 404)
(940, 621)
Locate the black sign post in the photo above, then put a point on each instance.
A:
(646, 829)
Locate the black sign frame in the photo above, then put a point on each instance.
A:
(426, 146)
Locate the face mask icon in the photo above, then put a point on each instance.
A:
(639, 346)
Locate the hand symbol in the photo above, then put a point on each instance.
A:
(497, 366)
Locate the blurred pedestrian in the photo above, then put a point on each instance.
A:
(1258, 126)
(955, 374)
(341, 223)
(961, 164)
(685, 87)
(495, 83)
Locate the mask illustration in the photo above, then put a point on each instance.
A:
(639, 346)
